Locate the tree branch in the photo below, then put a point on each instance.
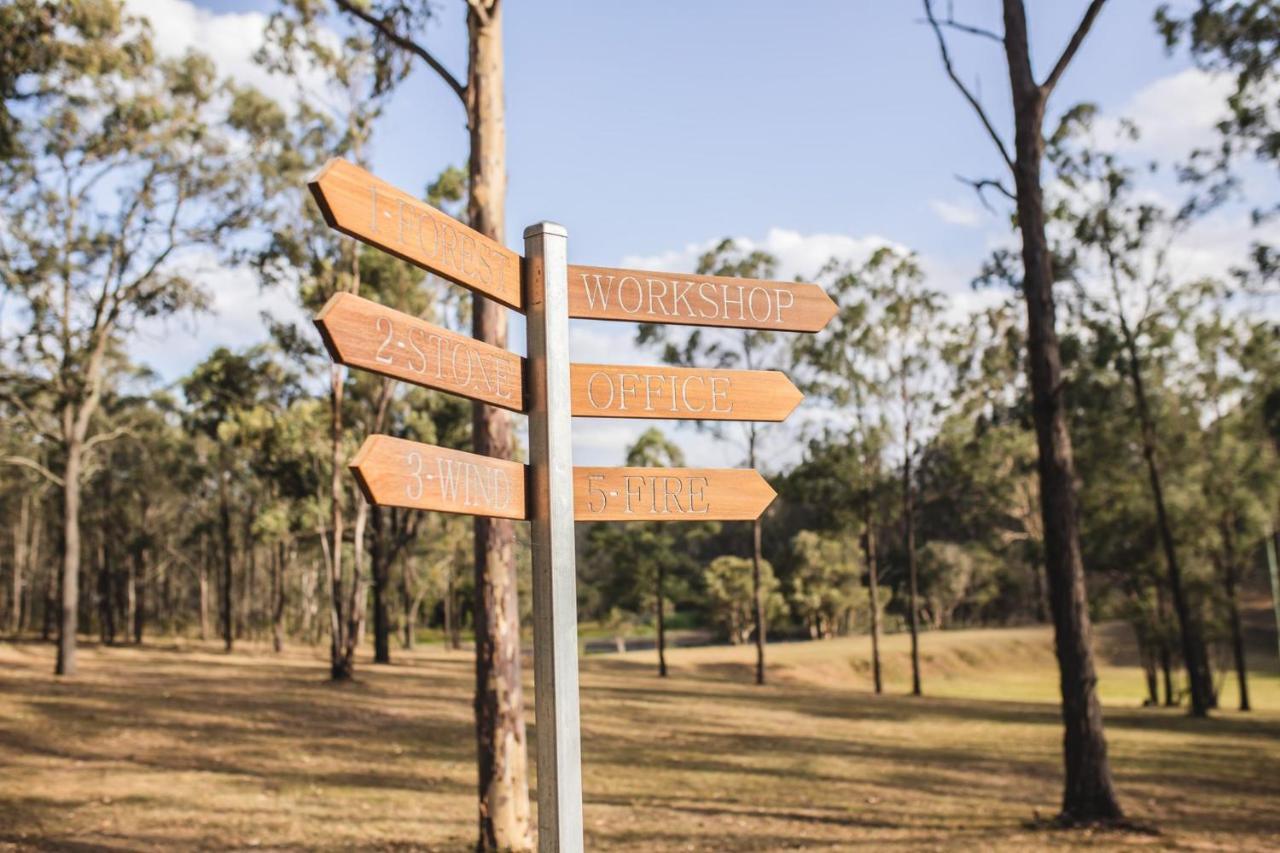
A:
(1072, 46)
(981, 32)
(964, 90)
(388, 31)
(981, 184)
(34, 466)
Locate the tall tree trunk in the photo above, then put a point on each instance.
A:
(224, 525)
(503, 819)
(873, 579)
(204, 587)
(378, 566)
(409, 606)
(662, 620)
(1230, 580)
(757, 599)
(70, 577)
(908, 511)
(452, 639)
(340, 665)
(139, 594)
(279, 578)
(1194, 654)
(106, 591)
(21, 538)
(1089, 794)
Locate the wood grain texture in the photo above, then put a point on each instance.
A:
(397, 472)
(620, 391)
(361, 333)
(604, 293)
(669, 494)
(360, 205)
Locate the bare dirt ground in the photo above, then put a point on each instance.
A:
(177, 746)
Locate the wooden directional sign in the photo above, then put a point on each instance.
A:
(669, 494)
(373, 211)
(602, 293)
(396, 472)
(614, 391)
(370, 336)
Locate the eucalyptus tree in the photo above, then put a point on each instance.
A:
(131, 164)
(1089, 793)
(398, 32)
(337, 100)
(842, 365)
(1237, 480)
(750, 349)
(909, 315)
(1120, 260)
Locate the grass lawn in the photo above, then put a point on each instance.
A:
(178, 746)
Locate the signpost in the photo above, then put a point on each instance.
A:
(364, 334)
(374, 212)
(550, 493)
(615, 391)
(603, 293)
(395, 472)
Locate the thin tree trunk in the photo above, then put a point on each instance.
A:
(452, 640)
(224, 525)
(409, 606)
(139, 594)
(504, 814)
(662, 620)
(1089, 793)
(757, 599)
(204, 587)
(1230, 578)
(873, 580)
(340, 666)
(908, 511)
(279, 580)
(378, 565)
(106, 592)
(1194, 654)
(66, 662)
(22, 536)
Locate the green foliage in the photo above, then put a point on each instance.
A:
(728, 592)
(826, 583)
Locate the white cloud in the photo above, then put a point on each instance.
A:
(172, 346)
(1174, 114)
(955, 214)
(801, 255)
(230, 39)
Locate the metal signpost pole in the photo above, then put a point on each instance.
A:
(551, 510)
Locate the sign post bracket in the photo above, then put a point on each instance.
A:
(551, 513)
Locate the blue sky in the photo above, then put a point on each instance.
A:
(807, 128)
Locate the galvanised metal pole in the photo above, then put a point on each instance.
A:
(555, 596)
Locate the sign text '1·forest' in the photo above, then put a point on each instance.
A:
(373, 211)
(398, 472)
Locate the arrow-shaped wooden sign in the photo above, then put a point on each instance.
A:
(616, 391)
(373, 211)
(361, 333)
(602, 293)
(364, 334)
(397, 472)
(669, 494)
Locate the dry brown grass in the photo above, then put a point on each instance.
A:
(176, 746)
